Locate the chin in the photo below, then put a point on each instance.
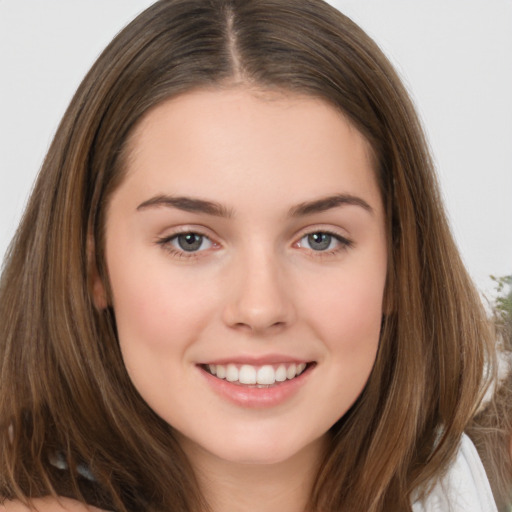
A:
(260, 450)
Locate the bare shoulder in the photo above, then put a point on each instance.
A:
(48, 504)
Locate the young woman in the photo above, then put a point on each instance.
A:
(234, 287)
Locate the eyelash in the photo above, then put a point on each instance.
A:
(166, 243)
(343, 243)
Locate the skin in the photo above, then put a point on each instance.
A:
(256, 287)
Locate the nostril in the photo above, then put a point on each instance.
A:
(257, 327)
(242, 326)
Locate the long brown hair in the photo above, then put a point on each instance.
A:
(64, 390)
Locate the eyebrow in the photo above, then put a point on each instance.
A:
(327, 203)
(187, 204)
(195, 205)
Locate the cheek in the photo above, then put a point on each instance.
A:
(347, 317)
(350, 311)
(156, 308)
(158, 318)
(351, 336)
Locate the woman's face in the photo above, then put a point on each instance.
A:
(246, 252)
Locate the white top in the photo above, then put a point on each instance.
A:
(464, 488)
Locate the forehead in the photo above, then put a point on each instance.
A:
(232, 140)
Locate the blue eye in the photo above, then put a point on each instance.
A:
(190, 242)
(321, 241)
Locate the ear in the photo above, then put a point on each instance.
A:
(96, 285)
(99, 294)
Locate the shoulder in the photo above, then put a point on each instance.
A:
(464, 488)
(48, 504)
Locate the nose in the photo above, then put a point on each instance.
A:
(260, 295)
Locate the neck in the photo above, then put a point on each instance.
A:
(278, 487)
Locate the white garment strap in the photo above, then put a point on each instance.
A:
(464, 488)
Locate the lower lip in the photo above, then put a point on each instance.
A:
(254, 397)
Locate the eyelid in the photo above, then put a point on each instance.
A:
(165, 241)
(323, 228)
(344, 241)
(179, 229)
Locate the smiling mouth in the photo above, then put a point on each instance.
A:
(263, 376)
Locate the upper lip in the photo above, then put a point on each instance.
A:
(257, 360)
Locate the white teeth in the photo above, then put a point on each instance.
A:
(247, 374)
(291, 372)
(231, 373)
(281, 373)
(265, 375)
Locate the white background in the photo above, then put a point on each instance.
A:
(454, 55)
